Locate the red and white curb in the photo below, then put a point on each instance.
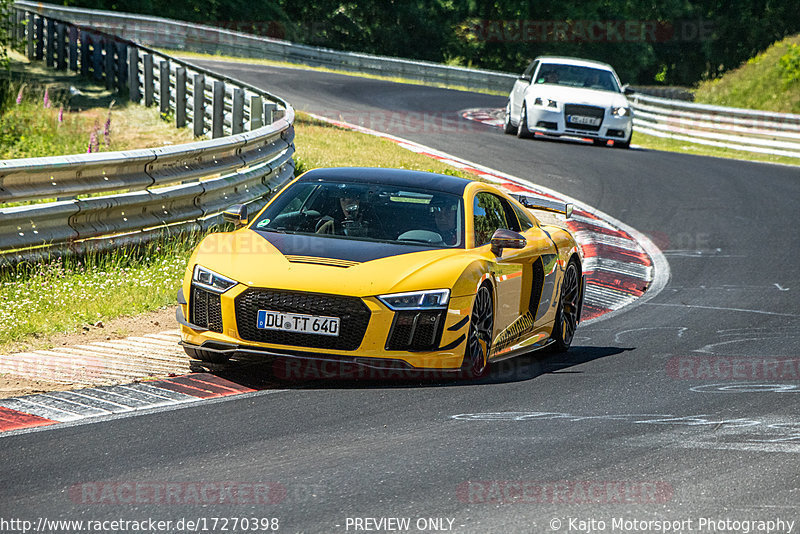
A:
(622, 267)
(48, 409)
(488, 116)
(103, 362)
(620, 263)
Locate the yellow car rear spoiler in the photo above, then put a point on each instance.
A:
(543, 204)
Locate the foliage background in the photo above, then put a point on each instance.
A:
(5, 38)
(439, 30)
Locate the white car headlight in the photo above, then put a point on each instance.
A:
(620, 112)
(417, 300)
(208, 279)
(540, 102)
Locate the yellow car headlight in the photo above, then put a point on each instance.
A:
(208, 279)
(417, 300)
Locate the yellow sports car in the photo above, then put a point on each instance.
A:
(385, 268)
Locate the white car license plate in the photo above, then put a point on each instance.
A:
(297, 322)
(580, 119)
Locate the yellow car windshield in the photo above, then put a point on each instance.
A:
(367, 211)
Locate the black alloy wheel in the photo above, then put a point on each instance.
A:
(479, 339)
(568, 308)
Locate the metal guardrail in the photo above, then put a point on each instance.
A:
(164, 189)
(768, 133)
(176, 35)
(248, 165)
(734, 128)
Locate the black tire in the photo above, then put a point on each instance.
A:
(624, 144)
(522, 130)
(207, 355)
(569, 302)
(508, 128)
(479, 339)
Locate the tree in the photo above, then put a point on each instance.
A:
(6, 30)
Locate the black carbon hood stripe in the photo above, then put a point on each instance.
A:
(340, 249)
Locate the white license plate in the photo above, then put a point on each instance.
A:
(297, 322)
(580, 119)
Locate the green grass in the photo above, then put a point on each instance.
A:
(770, 81)
(675, 145)
(76, 108)
(320, 144)
(63, 295)
(645, 141)
(274, 63)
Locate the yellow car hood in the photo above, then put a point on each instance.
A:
(329, 265)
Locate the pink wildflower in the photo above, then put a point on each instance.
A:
(107, 126)
(107, 131)
(46, 98)
(94, 143)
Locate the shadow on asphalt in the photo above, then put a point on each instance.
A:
(269, 372)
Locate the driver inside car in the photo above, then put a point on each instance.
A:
(351, 216)
(444, 216)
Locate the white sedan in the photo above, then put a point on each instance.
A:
(567, 96)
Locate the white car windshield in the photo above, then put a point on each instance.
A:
(577, 76)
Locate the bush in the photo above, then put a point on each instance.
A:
(790, 65)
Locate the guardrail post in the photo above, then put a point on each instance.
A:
(109, 63)
(149, 85)
(97, 57)
(51, 43)
(256, 113)
(39, 54)
(73, 48)
(21, 25)
(61, 46)
(86, 44)
(163, 92)
(269, 112)
(217, 109)
(122, 67)
(133, 74)
(199, 111)
(30, 29)
(237, 111)
(180, 97)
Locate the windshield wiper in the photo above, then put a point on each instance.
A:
(277, 230)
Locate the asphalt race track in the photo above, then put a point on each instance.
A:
(685, 407)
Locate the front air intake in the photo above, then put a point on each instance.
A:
(416, 331)
(205, 309)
